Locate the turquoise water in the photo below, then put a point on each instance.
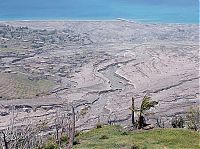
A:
(163, 11)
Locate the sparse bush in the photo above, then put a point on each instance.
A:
(134, 147)
(160, 123)
(35, 148)
(84, 111)
(104, 137)
(124, 133)
(177, 122)
(64, 139)
(77, 133)
(99, 124)
(51, 145)
(193, 118)
(76, 141)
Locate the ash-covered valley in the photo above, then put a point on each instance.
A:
(96, 66)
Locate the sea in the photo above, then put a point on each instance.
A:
(157, 11)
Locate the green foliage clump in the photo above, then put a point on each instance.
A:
(147, 104)
(51, 145)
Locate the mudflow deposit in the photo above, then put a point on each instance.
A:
(96, 66)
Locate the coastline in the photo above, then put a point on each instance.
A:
(137, 21)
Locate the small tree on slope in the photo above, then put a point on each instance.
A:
(147, 104)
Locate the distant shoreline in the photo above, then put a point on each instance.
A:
(98, 20)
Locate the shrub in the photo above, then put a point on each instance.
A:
(76, 141)
(51, 145)
(64, 139)
(134, 147)
(104, 137)
(124, 133)
(77, 133)
(177, 122)
(99, 124)
(193, 118)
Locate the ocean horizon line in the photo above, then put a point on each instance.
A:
(150, 11)
(139, 21)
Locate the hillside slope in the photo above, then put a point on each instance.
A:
(115, 137)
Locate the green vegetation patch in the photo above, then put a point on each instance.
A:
(152, 139)
(14, 86)
(30, 88)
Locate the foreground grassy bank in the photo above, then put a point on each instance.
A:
(114, 137)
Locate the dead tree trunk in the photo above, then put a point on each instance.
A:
(57, 128)
(72, 130)
(133, 113)
(5, 141)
